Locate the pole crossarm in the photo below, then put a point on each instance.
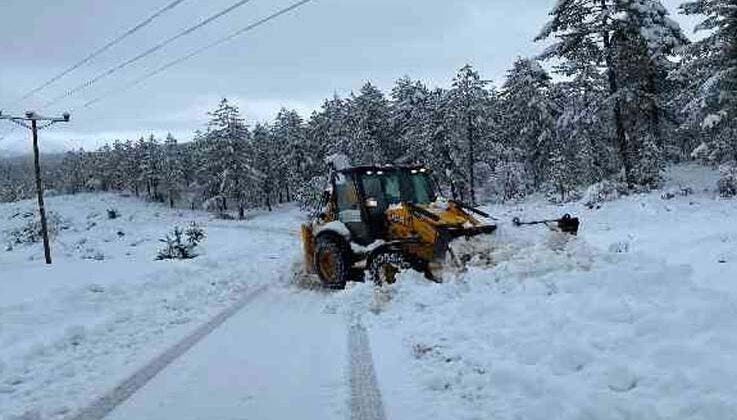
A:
(32, 116)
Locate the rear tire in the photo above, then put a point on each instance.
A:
(332, 262)
(385, 267)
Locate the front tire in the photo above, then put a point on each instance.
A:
(386, 266)
(332, 262)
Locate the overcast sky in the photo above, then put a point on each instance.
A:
(325, 47)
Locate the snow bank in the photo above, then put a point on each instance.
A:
(561, 330)
(635, 318)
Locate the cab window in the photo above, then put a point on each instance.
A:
(346, 194)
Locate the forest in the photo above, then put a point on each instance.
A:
(620, 93)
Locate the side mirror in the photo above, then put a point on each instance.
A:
(372, 203)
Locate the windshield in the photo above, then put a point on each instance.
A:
(394, 187)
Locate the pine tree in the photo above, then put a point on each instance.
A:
(225, 157)
(173, 169)
(710, 72)
(529, 116)
(370, 137)
(266, 152)
(632, 40)
(150, 166)
(74, 176)
(441, 150)
(288, 130)
(586, 128)
(409, 111)
(469, 105)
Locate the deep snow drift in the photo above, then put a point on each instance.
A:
(634, 319)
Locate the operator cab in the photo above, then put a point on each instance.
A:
(363, 194)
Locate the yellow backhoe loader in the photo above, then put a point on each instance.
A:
(383, 219)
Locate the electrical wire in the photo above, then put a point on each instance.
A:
(102, 49)
(197, 51)
(146, 53)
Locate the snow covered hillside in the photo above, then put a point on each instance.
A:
(633, 319)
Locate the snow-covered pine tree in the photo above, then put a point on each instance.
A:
(370, 137)
(173, 169)
(294, 158)
(150, 166)
(327, 127)
(584, 125)
(561, 169)
(470, 103)
(632, 40)
(529, 116)
(441, 150)
(225, 157)
(74, 172)
(409, 110)
(710, 69)
(266, 162)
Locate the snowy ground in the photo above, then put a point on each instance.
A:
(73, 330)
(634, 319)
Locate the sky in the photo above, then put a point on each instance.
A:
(325, 47)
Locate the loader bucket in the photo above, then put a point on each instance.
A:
(446, 235)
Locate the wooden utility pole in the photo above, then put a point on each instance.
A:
(34, 118)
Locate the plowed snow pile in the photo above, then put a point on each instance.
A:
(565, 329)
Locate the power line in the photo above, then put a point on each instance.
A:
(102, 49)
(196, 52)
(146, 53)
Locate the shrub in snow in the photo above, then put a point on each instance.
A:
(728, 180)
(112, 214)
(30, 232)
(674, 192)
(602, 192)
(93, 254)
(181, 243)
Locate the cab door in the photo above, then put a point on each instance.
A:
(350, 208)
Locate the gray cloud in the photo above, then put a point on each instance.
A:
(328, 46)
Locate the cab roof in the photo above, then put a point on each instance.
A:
(378, 168)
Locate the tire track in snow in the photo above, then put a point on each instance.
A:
(365, 399)
(105, 404)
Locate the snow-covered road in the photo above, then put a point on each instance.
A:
(279, 357)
